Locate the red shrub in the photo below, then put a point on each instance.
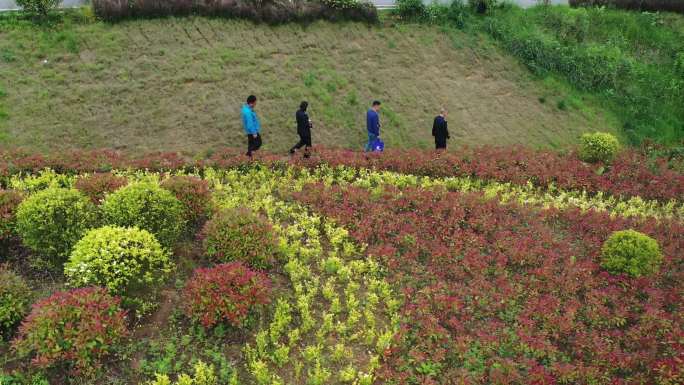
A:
(78, 327)
(238, 234)
(507, 294)
(96, 186)
(631, 173)
(194, 193)
(225, 293)
(9, 200)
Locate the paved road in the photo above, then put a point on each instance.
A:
(9, 4)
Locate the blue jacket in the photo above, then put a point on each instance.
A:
(250, 121)
(373, 122)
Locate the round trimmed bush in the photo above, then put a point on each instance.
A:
(193, 193)
(77, 328)
(9, 202)
(225, 293)
(598, 147)
(124, 260)
(631, 252)
(238, 234)
(15, 299)
(96, 186)
(146, 206)
(51, 221)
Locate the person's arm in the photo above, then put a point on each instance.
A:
(376, 124)
(446, 129)
(257, 125)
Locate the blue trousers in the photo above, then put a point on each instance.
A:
(371, 140)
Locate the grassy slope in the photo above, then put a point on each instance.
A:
(177, 84)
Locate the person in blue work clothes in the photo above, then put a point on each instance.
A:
(251, 124)
(373, 124)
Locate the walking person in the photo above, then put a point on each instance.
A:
(440, 130)
(251, 124)
(373, 125)
(303, 130)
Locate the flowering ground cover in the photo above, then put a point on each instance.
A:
(356, 270)
(504, 294)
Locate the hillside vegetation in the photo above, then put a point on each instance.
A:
(633, 62)
(177, 84)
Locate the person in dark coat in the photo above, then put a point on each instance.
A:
(303, 130)
(440, 130)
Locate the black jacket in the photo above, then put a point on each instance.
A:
(303, 123)
(439, 128)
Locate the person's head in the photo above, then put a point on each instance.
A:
(251, 100)
(376, 105)
(303, 105)
(443, 111)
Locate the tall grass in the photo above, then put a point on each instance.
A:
(634, 61)
(637, 5)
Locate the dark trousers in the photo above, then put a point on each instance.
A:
(304, 140)
(253, 143)
(440, 143)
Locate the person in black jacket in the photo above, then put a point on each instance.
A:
(440, 130)
(303, 130)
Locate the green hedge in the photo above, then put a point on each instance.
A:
(126, 261)
(149, 207)
(598, 147)
(631, 252)
(15, 299)
(268, 11)
(51, 221)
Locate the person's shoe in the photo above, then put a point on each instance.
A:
(292, 151)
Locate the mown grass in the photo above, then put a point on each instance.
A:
(177, 84)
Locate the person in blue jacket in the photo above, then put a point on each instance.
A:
(251, 124)
(373, 124)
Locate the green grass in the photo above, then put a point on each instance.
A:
(178, 83)
(631, 62)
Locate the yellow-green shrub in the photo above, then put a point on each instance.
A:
(51, 221)
(146, 206)
(124, 260)
(204, 375)
(44, 179)
(631, 252)
(598, 147)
